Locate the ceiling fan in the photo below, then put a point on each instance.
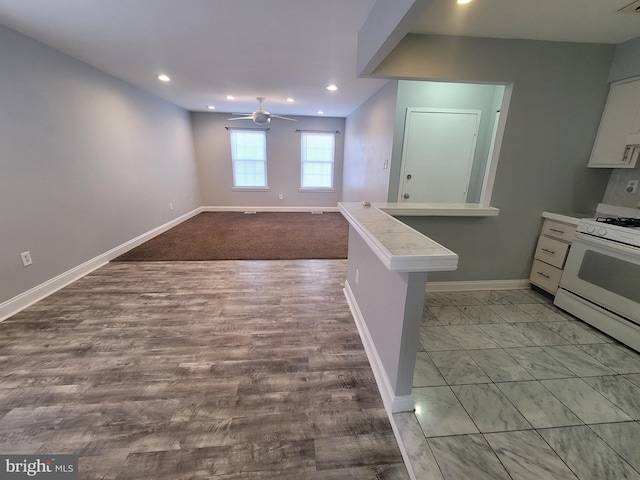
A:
(260, 116)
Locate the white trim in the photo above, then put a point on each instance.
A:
(316, 190)
(250, 189)
(466, 286)
(37, 293)
(268, 209)
(490, 172)
(392, 403)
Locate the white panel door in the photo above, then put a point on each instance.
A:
(439, 146)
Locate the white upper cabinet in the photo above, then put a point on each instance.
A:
(617, 144)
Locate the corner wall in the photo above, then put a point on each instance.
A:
(87, 163)
(368, 147)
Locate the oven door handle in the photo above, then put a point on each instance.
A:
(606, 244)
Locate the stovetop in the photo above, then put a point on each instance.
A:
(620, 221)
(617, 229)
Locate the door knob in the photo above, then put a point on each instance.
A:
(406, 195)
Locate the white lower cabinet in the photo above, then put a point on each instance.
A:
(551, 253)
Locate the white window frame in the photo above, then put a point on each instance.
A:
(242, 155)
(304, 162)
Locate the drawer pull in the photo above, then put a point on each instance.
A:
(543, 275)
(556, 230)
(548, 251)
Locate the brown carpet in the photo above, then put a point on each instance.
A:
(239, 236)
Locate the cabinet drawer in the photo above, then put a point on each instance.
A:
(559, 230)
(545, 276)
(551, 251)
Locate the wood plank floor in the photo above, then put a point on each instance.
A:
(197, 370)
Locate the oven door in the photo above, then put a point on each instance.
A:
(606, 273)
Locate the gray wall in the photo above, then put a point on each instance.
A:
(368, 142)
(463, 96)
(87, 162)
(558, 97)
(213, 152)
(391, 306)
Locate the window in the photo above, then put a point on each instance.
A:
(317, 160)
(249, 155)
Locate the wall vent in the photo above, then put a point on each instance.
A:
(631, 8)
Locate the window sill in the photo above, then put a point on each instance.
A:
(317, 190)
(250, 189)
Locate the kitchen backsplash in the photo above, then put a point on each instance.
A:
(616, 193)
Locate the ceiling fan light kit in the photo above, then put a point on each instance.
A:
(260, 116)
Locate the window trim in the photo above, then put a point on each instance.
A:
(250, 189)
(317, 188)
(237, 131)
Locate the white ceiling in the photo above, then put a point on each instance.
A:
(591, 21)
(278, 48)
(211, 48)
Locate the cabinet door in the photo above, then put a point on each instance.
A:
(620, 119)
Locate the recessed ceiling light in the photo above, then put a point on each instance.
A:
(230, 97)
(164, 78)
(332, 88)
(320, 112)
(290, 100)
(462, 2)
(211, 107)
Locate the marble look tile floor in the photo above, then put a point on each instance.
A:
(507, 386)
(197, 370)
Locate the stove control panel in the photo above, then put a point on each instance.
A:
(628, 235)
(594, 230)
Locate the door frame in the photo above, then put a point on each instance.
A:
(405, 140)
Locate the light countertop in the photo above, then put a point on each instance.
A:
(437, 209)
(568, 218)
(398, 246)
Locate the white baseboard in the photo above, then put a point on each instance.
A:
(269, 209)
(462, 286)
(37, 293)
(392, 403)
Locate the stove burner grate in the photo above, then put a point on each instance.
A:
(620, 221)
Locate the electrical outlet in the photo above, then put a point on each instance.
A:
(280, 197)
(26, 258)
(170, 206)
(632, 186)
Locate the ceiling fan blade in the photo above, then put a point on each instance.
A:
(283, 118)
(242, 114)
(241, 118)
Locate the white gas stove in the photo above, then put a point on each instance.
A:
(600, 283)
